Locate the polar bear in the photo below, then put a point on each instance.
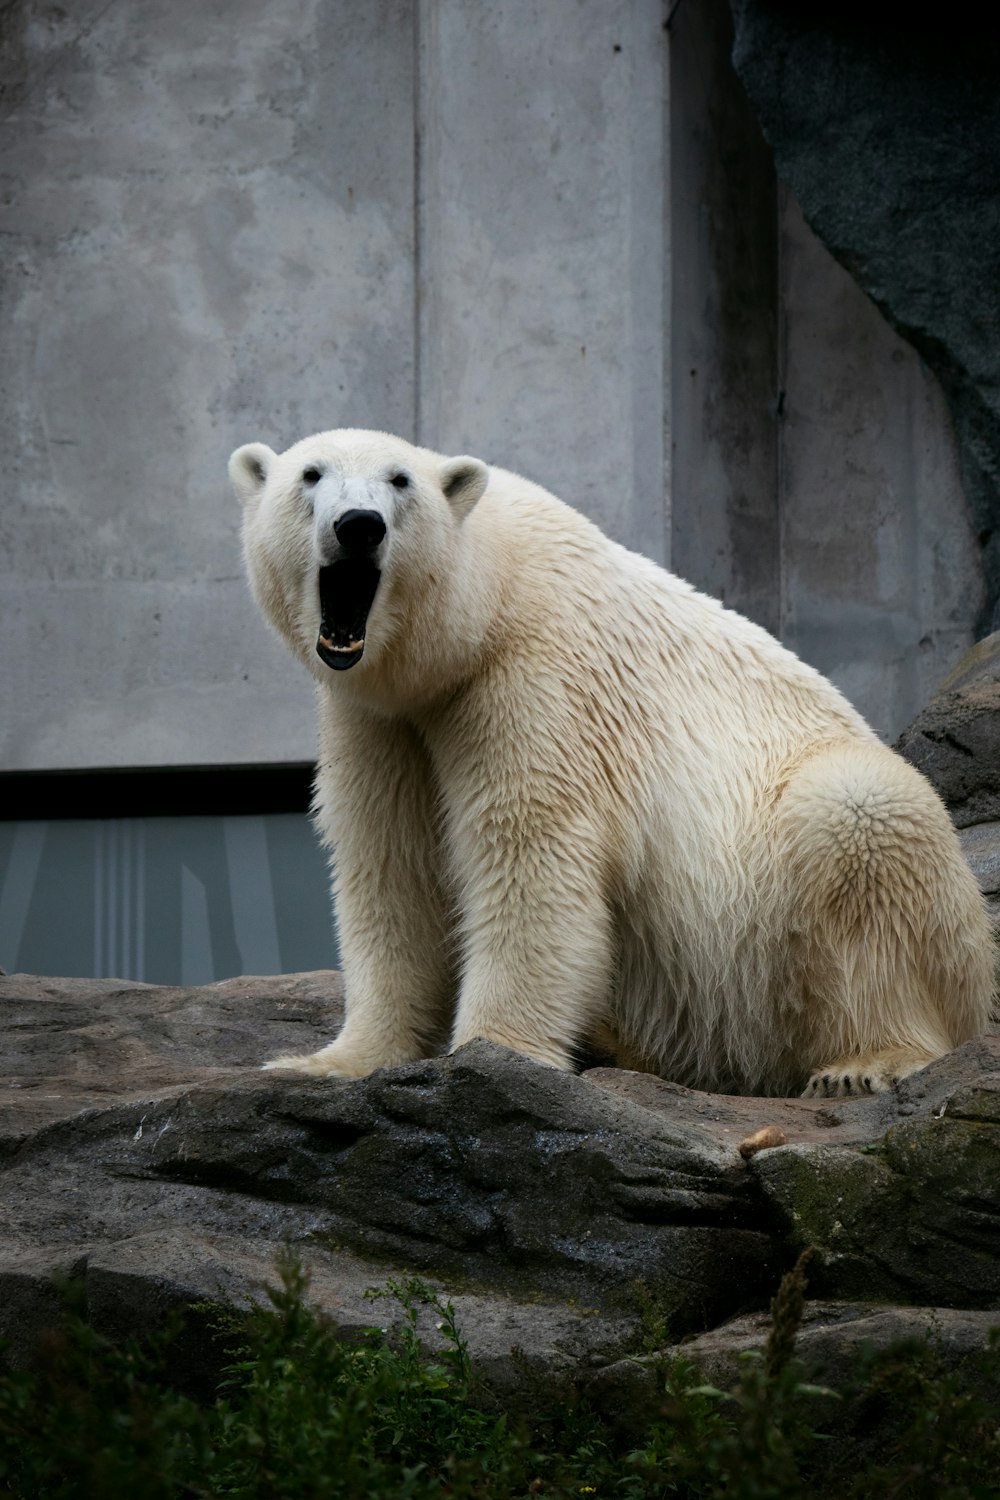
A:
(569, 795)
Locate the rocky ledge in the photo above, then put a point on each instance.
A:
(144, 1153)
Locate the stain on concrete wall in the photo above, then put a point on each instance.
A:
(723, 326)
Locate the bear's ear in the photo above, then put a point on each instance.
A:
(463, 481)
(248, 469)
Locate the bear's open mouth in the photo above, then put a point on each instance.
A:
(346, 590)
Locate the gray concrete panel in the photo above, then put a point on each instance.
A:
(207, 237)
(541, 248)
(882, 575)
(199, 681)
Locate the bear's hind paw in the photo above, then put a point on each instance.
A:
(854, 1077)
(846, 1083)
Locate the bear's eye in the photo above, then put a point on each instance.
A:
(311, 475)
(399, 481)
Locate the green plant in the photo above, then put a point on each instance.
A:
(942, 1436)
(94, 1420)
(749, 1443)
(301, 1412)
(310, 1416)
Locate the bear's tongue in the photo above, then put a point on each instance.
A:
(346, 590)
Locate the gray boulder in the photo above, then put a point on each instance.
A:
(144, 1152)
(955, 740)
(912, 1217)
(831, 1333)
(981, 846)
(834, 1349)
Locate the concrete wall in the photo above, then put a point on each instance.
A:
(510, 229)
(541, 249)
(257, 220)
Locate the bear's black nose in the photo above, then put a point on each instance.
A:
(359, 530)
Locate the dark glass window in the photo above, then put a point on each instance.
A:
(171, 878)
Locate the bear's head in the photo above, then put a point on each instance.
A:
(341, 529)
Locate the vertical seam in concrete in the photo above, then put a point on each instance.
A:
(644, 310)
(666, 306)
(418, 209)
(906, 503)
(780, 403)
(666, 422)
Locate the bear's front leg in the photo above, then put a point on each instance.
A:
(536, 939)
(375, 809)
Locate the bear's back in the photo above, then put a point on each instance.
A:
(619, 629)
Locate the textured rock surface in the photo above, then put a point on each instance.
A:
(831, 1331)
(831, 1337)
(981, 845)
(889, 133)
(915, 1217)
(72, 1044)
(955, 741)
(143, 1151)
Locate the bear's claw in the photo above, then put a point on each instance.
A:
(851, 1084)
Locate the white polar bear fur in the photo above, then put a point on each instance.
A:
(570, 796)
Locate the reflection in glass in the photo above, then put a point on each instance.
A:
(183, 900)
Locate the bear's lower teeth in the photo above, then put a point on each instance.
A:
(347, 650)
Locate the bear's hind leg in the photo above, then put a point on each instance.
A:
(889, 943)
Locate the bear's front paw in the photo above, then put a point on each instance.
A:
(328, 1062)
